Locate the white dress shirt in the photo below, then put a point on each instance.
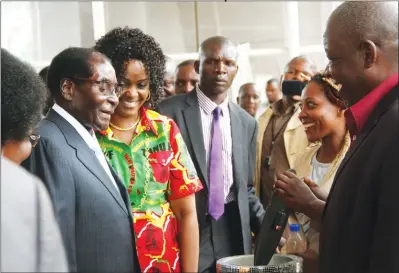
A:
(90, 139)
(206, 109)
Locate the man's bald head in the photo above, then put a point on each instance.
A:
(361, 41)
(302, 59)
(217, 41)
(367, 20)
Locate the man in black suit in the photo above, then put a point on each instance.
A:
(221, 139)
(360, 220)
(91, 204)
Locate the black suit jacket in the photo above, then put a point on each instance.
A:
(184, 110)
(94, 218)
(361, 220)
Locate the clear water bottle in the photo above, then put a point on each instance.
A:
(296, 243)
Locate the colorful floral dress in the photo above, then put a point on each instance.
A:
(155, 168)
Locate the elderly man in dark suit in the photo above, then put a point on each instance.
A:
(360, 220)
(221, 139)
(91, 204)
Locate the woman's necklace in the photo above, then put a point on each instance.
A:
(125, 129)
(338, 159)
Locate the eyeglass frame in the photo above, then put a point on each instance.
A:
(34, 139)
(114, 91)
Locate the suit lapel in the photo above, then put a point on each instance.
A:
(192, 117)
(85, 155)
(237, 129)
(122, 188)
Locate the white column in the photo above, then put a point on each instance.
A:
(291, 28)
(98, 19)
(217, 19)
(86, 24)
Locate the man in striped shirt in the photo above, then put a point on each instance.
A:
(221, 139)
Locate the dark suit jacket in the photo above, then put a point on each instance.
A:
(94, 218)
(184, 110)
(360, 224)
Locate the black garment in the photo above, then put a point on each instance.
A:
(221, 238)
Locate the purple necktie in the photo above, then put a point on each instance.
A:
(216, 192)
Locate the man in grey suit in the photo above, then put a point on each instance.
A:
(91, 203)
(221, 139)
(30, 237)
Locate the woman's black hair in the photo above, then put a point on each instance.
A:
(121, 45)
(331, 89)
(23, 97)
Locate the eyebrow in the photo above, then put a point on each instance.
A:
(106, 80)
(310, 98)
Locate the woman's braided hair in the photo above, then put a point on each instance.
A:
(121, 45)
(331, 89)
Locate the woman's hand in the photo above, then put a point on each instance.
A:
(298, 196)
(322, 195)
(295, 193)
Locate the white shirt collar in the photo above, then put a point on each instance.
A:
(208, 106)
(88, 136)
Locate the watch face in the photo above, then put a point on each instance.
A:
(273, 225)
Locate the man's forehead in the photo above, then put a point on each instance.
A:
(300, 64)
(248, 89)
(227, 50)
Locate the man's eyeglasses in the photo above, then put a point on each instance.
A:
(34, 139)
(108, 88)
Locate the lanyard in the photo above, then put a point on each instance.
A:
(275, 136)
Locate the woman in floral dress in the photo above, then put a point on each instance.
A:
(146, 149)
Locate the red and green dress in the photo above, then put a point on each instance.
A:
(156, 168)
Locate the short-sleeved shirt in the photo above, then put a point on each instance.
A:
(155, 168)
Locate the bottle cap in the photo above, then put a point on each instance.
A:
(295, 227)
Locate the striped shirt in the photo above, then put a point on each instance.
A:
(206, 108)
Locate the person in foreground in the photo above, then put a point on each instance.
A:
(91, 203)
(30, 236)
(221, 138)
(146, 149)
(359, 217)
(322, 114)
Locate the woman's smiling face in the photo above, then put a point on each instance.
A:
(318, 115)
(136, 89)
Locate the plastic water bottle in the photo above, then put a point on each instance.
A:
(296, 243)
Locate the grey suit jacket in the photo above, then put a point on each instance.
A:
(30, 237)
(95, 219)
(184, 110)
(360, 224)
